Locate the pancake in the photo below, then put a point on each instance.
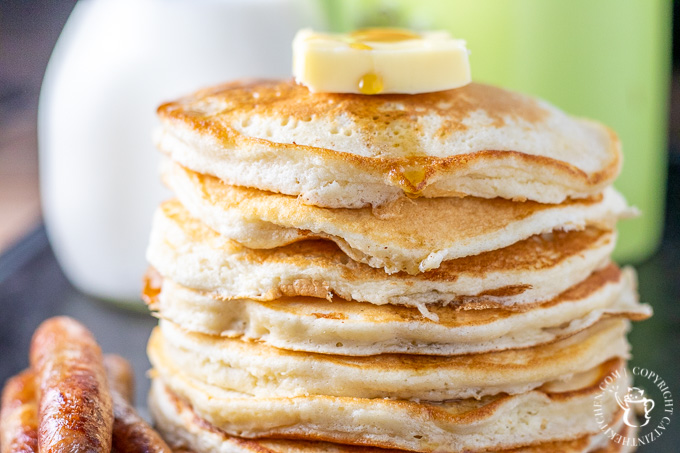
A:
(539, 268)
(188, 433)
(343, 150)
(412, 235)
(263, 371)
(495, 422)
(359, 329)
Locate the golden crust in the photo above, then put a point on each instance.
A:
(374, 113)
(396, 135)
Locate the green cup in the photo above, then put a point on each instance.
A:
(603, 59)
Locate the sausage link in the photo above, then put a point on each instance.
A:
(75, 412)
(131, 434)
(121, 376)
(19, 415)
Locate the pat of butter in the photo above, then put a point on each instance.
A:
(380, 61)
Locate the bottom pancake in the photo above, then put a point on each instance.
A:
(188, 433)
(555, 412)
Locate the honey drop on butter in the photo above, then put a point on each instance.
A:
(383, 35)
(360, 46)
(370, 84)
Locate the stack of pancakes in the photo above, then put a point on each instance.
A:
(414, 272)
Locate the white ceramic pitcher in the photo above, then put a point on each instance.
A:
(114, 63)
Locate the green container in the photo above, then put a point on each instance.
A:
(603, 59)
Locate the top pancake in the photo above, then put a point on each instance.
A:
(346, 150)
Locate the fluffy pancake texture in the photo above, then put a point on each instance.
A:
(183, 429)
(343, 150)
(358, 329)
(420, 273)
(263, 371)
(186, 251)
(501, 421)
(412, 235)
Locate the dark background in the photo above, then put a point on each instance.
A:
(33, 288)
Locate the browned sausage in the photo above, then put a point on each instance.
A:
(19, 415)
(121, 376)
(75, 413)
(131, 434)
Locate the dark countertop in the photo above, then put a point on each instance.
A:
(33, 288)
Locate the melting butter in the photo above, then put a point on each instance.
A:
(380, 60)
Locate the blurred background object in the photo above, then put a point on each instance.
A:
(113, 64)
(27, 35)
(602, 59)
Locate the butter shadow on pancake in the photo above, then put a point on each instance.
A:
(555, 412)
(361, 329)
(343, 150)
